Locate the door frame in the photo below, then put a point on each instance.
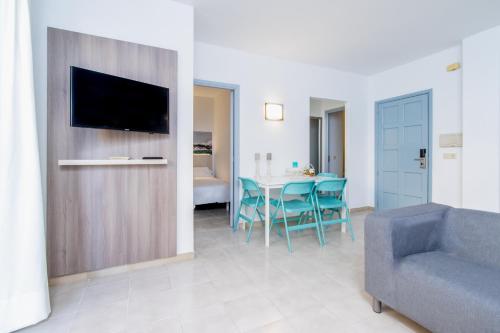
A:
(427, 92)
(234, 189)
(320, 143)
(327, 138)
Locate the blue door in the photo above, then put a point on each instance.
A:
(402, 151)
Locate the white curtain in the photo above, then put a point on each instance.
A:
(24, 297)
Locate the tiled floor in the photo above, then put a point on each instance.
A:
(232, 286)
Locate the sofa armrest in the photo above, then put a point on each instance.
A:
(393, 234)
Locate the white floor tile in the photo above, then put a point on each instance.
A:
(59, 324)
(66, 303)
(215, 324)
(252, 311)
(280, 326)
(232, 286)
(166, 326)
(99, 320)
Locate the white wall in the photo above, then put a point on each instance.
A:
(428, 73)
(481, 120)
(161, 23)
(264, 79)
(203, 114)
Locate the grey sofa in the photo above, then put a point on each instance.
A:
(437, 265)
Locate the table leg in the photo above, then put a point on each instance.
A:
(266, 191)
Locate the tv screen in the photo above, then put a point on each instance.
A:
(100, 100)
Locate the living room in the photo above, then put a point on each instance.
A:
(100, 216)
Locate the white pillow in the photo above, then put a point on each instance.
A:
(202, 172)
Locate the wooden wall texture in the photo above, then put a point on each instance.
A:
(104, 216)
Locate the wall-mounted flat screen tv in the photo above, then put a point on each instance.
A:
(100, 100)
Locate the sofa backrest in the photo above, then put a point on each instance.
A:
(473, 235)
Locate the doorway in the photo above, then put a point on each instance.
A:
(336, 141)
(215, 148)
(402, 154)
(315, 138)
(327, 135)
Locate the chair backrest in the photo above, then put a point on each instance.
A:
(327, 174)
(332, 185)
(297, 188)
(249, 185)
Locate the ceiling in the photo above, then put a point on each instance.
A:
(361, 36)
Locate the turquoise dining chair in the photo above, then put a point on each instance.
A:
(329, 194)
(327, 174)
(300, 204)
(330, 175)
(253, 199)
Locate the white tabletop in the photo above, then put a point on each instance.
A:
(278, 181)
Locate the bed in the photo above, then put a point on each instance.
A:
(207, 188)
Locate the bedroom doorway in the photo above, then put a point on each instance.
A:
(214, 143)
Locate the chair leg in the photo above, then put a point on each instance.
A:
(323, 238)
(278, 230)
(272, 218)
(325, 215)
(318, 231)
(349, 224)
(249, 234)
(287, 233)
(271, 225)
(376, 305)
(301, 216)
(260, 216)
(236, 221)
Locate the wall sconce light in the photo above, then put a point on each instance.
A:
(273, 111)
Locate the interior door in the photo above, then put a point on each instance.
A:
(402, 152)
(314, 142)
(336, 143)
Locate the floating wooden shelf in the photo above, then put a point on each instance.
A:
(111, 162)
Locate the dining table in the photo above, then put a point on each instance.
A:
(267, 183)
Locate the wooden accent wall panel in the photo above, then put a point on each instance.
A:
(103, 216)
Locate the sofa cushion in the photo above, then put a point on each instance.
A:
(473, 235)
(447, 293)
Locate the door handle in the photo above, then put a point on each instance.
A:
(422, 159)
(423, 162)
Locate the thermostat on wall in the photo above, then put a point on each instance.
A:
(450, 140)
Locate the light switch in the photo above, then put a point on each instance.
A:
(449, 156)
